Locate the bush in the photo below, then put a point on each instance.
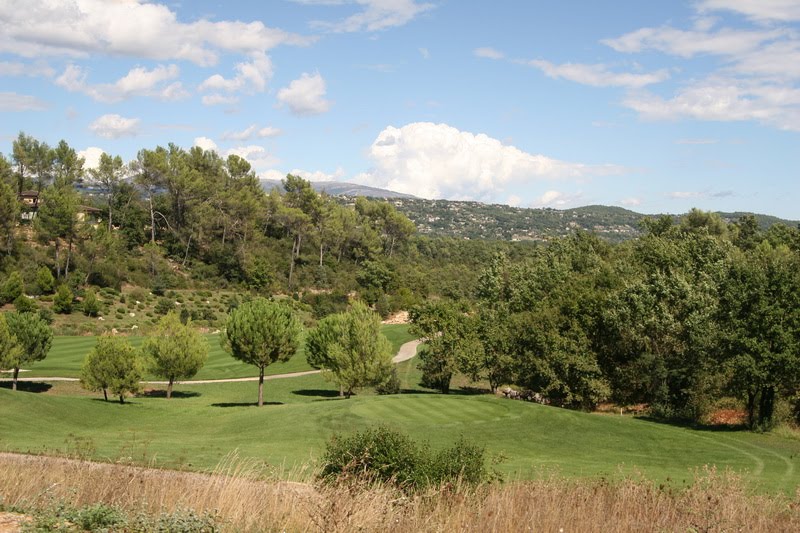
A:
(23, 304)
(164, 306)
(91, 306)
(45, 281)
(46, 315)
(386, 456)
(391, 385)
(13, 288)
(62, 301)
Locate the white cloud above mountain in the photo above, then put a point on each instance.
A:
(439, 161)
(305, 95)
(113, 126)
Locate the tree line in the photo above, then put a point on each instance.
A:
(678, 319)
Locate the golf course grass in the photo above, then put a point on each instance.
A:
(67, 354)
(204, 422)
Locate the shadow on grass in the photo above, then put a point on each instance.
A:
(319, 393)
(720, 428)
(27, 386)
(162, 393)
(243, 404)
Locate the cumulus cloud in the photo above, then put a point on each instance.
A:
(205, 143)
(138, 81)
(488, 53)
(91, 157)
(251, 76)
(374, 15)
(133, 28)
(258, 156)
(115, 126)
(250, 132)
(305, 95)
(20, 102)
(598, 75)
(439, 161)
(557, 199)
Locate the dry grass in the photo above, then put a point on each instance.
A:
(249, 498)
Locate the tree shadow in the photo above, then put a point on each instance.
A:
(243, 404)
(320, 393)
(28, 386)
(162, 393)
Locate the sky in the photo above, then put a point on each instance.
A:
(657, 106)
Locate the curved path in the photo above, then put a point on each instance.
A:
(406, 352)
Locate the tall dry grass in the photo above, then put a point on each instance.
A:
(248, 497)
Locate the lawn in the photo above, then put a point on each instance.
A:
(67, 354)
(203, 423)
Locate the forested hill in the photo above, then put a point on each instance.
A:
(475, 220)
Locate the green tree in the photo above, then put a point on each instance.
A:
(62, 301)
(259, 333)
(57, 221)
(13, 288)
(91, 305)
(351, 349)
(45, 281)
(9, 217)
(109, 174)
(760, 314)
(34, 337)
(10, 350)
(113, 365)
(177, 350)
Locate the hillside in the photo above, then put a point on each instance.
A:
(340, 188)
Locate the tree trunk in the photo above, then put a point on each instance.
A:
(69, 256)
(14, 381)
(766, 407)
(169, 388)
(110, 204)
(261, 386)
(751, 409)
(105, 394)
(152, 219)
(58, 262)
(121, 398)
(295, 253)
(186, 255)
(320, 254)
(341, 391)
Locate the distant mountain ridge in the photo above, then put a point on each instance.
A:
(476, 220)
(340, 188)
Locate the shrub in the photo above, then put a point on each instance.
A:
(91, 306)
(13, 288)
(164, 306)
(23, 304)
(386, 456)
(46, 315)
(62, 301)
(391, 385)
(45, 281)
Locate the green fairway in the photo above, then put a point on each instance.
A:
(67, 354)
(205, 422)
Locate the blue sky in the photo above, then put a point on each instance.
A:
(657, 106)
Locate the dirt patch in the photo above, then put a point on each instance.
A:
(13, 522)
(727, 417)
(401, 317)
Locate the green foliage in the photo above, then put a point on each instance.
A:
(177, 350)
(11, 351)
(261, 332)
(45, 281)
(23, 304)
(91, 305)
(112, 365)
(62, 301)
(13, 287)
(383, 455)
(351, 349)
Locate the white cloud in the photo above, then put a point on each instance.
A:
(375, 15)
(688, 43)
(250, 132)
(251, 76)
(760, 10)
(91, 157)
(488, 53)
(724, 100)
(114, 126)
(36, 69)
(513, 200)
(425, 53)
(439, 161)
(258, 156)
(689, 195)
(20, 102)
(319, 175)
(218, 99)
(631, 202)
(305, 95)
(554, 198)
(133, 28)
(598, 75)
(205, 143)
(138, 81)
